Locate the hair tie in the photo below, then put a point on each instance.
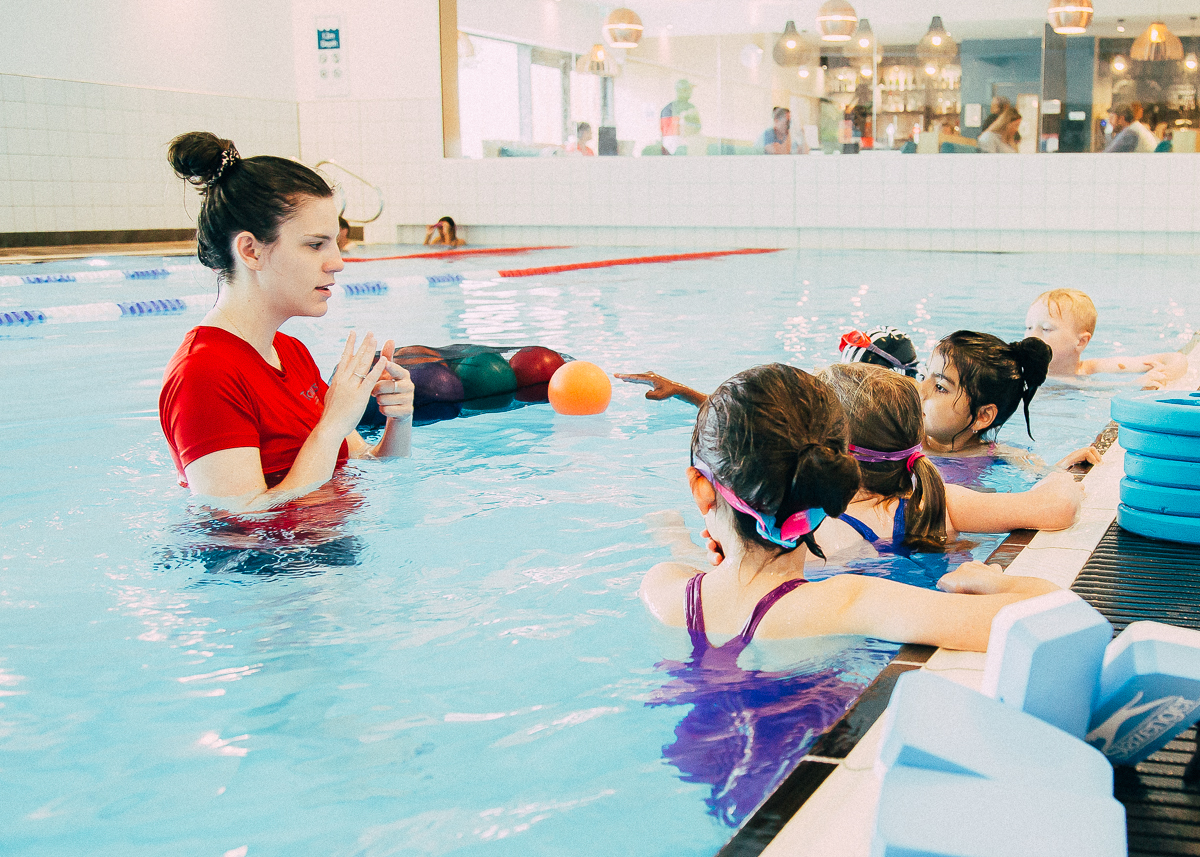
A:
(229, 157)
(875, 455)
(913, 459)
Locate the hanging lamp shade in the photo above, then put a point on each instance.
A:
(1156, 43)
(862, 43)
(936, 46)
(466, 48)
(791, 48)
(597, 61)
(1070, 17)
(836, 19)
(622, 29)
(1118, 64)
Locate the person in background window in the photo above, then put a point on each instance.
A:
(998, 106)
(679, 119)
(1001, 136)
(443, 232)
(1132, 135)
(583, 135)
(778, 140)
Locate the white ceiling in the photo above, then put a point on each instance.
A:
(902, 21)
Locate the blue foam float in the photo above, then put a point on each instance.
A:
(1159, 445)
(1166, 411)
(934, 814)
(1044, 657)
(1162, 471)
(1160, 498)
(1149, 691)
(934, 724)
(1153, 525)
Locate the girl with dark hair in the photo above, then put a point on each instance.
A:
(770, 461)
(248, 417)
(443, 232)
(902, 496)
(974, 384)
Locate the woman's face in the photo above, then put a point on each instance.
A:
(298, 268)
(946, 405)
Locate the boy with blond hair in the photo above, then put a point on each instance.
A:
(1065, 319)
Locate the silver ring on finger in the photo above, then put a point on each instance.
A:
(356, 375)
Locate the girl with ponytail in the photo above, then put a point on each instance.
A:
(902, 495)
(770, 462)
(250, 421)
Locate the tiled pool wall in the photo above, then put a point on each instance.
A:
(78, 156)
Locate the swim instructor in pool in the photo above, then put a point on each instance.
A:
(249, 419)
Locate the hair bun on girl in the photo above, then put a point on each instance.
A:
(1033, 359)
(825, 478)
(199, 157)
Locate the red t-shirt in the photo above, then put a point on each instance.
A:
(218, 393)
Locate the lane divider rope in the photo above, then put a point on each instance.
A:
(636, 260)
(453, 254)
(106, 276)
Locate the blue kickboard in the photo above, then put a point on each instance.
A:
(1149, 691)
(1167, 411)
(1162, 471)
(1171, 528)
(934, 814)
(1160, 498)
(1044, 657)
(1177, 447)
(935, 724)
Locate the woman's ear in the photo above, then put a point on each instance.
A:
(984, 419)
(702, 491)
(248, 250)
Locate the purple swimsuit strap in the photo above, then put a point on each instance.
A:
(766, 603)
(694, 608)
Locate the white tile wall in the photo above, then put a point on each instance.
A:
(87, 157)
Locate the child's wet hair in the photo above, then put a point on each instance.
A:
(776, 437)
(1071, 304)
(884, 413)
(994, 372)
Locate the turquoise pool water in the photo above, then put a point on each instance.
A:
(447, 656)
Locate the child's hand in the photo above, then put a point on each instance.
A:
(1084, 455)
(973, 578)
(716, 554)
(1156, 376)
(660, 387)
(1061, 497)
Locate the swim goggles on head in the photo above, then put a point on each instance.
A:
(797, 525)
(909, 456)
(858, 339)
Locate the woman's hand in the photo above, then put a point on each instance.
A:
(351, 386)
(974, 578)
(394, 391)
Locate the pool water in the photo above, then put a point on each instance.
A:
(446, 654)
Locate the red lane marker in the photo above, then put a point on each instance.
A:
(450, 254)
(637, 260)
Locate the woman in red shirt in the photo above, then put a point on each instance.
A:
(249, 419)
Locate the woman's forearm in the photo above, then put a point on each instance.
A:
(396, 441)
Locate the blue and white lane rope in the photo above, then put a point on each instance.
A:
(105, 276)
(111, 310)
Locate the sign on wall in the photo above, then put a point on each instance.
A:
(331, 67)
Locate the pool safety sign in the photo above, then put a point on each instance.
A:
(331, 66)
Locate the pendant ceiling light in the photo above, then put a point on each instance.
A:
(1190, 62)
(597, 61)
(836, 20)
(791, 48)
(1157, 43)
(1070, 17)
(862, 44)
(936, 46)
(1118, 64)
(622, 29)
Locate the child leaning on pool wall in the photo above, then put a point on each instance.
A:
(769, 461)
(1065, 319)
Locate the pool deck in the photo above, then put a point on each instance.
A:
(838, 819)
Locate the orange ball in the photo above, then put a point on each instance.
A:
(578, 388)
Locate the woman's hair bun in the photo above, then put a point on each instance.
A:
(826, 478)
(196, 156)
(1033, 357)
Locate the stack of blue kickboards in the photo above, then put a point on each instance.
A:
(1160, 494)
